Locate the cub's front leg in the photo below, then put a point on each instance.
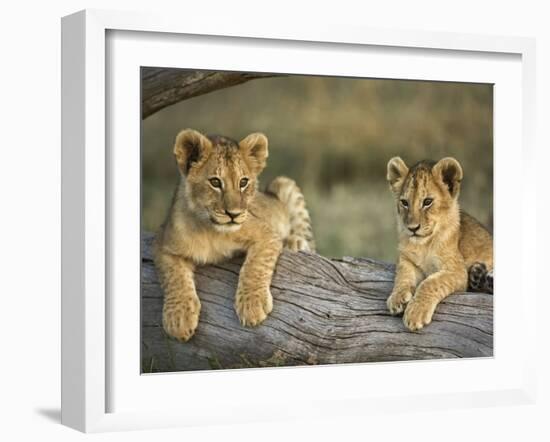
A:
(406, 278)
(253, 301)
(430, 293)
(180, 314)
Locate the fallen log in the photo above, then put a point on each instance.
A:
(325, 311)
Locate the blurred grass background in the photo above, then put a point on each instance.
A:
(334, 136)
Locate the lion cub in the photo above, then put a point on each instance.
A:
(441, 248)
(217, 212)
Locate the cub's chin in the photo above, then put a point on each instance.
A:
(226, 228)
(421, 238)
(418, 238)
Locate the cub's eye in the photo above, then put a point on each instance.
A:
(404, 203)
(427, 202)
(215, 182)
(243, 183)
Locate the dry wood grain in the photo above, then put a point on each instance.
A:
(163, 87)
(325, 311)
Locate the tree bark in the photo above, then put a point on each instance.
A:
(161, 87)
(325, 311)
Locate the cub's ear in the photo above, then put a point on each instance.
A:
(254, 147)
(449, 171)
(397, 172)
(190, 147)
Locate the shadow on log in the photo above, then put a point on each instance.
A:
(325, 311)
(163, 87)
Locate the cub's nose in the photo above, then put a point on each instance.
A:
(414, 229)
(233, 214)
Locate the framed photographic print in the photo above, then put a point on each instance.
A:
(282, 222)
(322, 196)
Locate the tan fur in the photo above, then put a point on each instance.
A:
(434, 260)
(208, 224)
(300, 236)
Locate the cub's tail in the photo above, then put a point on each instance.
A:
(301, 233)
(480, 279)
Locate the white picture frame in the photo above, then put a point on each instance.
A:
(89, 170)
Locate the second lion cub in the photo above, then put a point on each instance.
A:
(441, 248)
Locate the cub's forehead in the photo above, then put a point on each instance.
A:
(419, 177)
(224, 149)
(225, 156)
(220, 141)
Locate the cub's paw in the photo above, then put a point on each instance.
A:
(489, 282)
(476, 276)
(398, 301)
(418, 314)
(253, 307)
(181, 317)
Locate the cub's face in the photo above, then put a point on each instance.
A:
(220, 175)
(426, 196)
